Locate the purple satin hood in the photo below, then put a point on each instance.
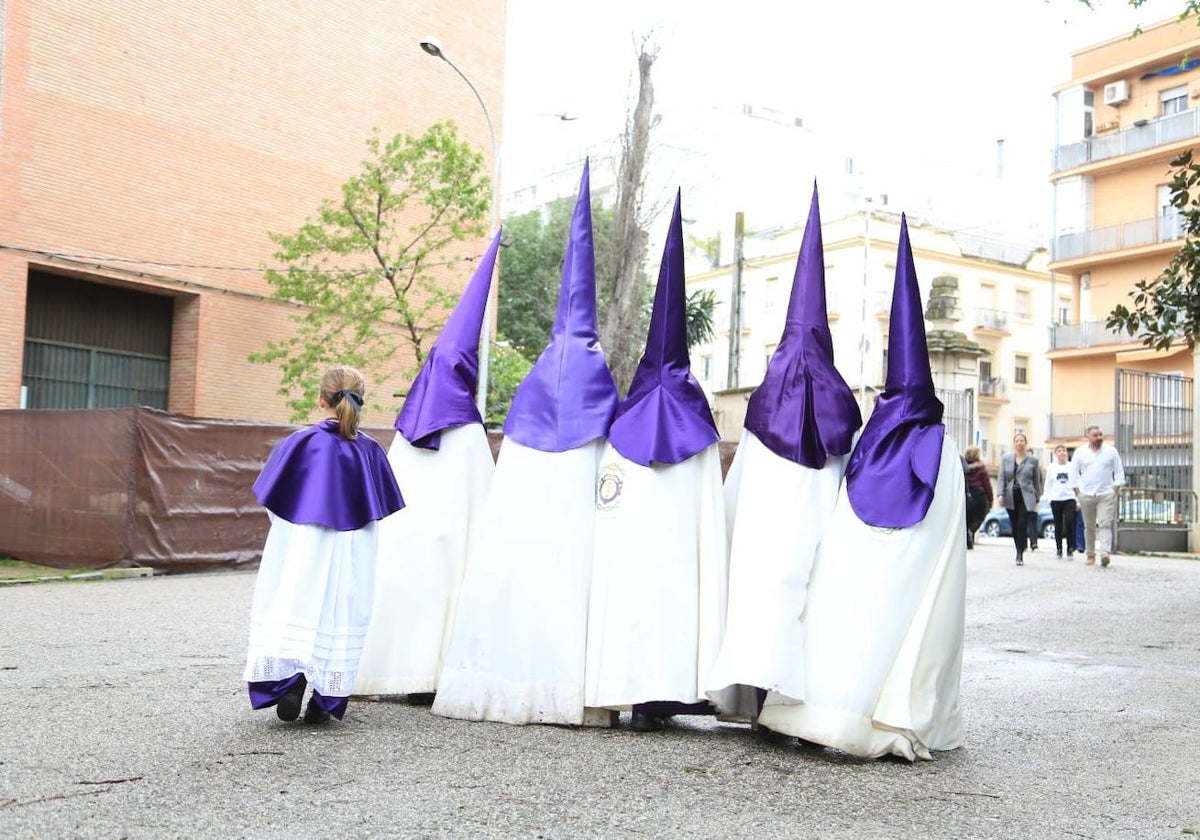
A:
(803, 410)
(443, 394)
(665, 417)
(317, 477)
(894, 467)
(569, 396)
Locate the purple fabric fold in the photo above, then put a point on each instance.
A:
(665, 416)
(317, 477)
(443, 394)
(569, 396)
(804, 411)
(894, 468)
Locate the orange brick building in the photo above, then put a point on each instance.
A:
(147, 149)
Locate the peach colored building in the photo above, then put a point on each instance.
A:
(147, 149)
(1128, 109)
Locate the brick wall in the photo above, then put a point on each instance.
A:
(180, 134)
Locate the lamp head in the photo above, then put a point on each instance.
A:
(433, 47)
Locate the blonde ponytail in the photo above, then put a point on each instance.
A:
(343, 389)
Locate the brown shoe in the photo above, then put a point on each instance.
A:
(1091, 560)
(1104, 561)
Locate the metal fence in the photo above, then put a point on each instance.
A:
(959, 416)
(1152, 427)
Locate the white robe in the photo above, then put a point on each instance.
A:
(312, 605)
(658, 580)
(777, 512)
(884, 632)
(422, 557)
(517, 651)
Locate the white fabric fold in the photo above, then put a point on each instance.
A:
(423, 553)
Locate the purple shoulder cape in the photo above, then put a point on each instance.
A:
(317, 477)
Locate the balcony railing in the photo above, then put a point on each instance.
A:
(1144, 134)
(1164, 228)
(991, 319)
(993, 386)
(1091, 334)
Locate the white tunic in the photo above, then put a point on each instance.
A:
(422, 557)
(884, 632)
(778, 512)
(517, 651)
(658, 580)
(312, 605)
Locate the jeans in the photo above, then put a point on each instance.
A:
(1064, 524)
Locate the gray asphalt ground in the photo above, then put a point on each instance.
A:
(123, 715)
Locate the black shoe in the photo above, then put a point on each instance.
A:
(314, 713)
(643, 722)
(1070, 554)
(423, 698)
(288, 707)
(1058, 555)
(1020, 559)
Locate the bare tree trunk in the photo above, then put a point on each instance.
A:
(620, 280)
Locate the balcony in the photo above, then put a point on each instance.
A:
(991, 319)
(993, 387)
(1072, 426)
(1142, 135)
(1103, 240)
(1091, 334)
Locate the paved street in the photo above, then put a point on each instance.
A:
(124, 715)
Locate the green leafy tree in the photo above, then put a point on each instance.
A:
(363, 271)
(506, 368)
(1166, 309)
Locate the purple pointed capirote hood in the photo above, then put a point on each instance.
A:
(443, 394)
(894, 467)
(665, 417)
(567, 399)
(804, 411)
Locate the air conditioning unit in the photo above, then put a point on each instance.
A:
(1116, 93)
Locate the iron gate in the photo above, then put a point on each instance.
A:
(1153, 434)
(959, 416)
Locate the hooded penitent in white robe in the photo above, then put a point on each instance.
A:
(517, 650)
(659, 574)
(422, 558)
(780, 495)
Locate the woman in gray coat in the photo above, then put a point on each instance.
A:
(1019, 486)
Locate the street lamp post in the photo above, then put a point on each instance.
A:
(434, 48)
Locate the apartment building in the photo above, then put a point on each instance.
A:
(147, 149)
(997, 385)
(1127, 110)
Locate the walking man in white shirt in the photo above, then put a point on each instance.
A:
(1098, 476)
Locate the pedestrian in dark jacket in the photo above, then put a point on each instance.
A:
(979, 492)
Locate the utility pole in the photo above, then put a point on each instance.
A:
(862, 339)
(735, 304)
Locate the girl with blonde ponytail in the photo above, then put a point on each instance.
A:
(325, 489)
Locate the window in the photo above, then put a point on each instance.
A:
(1064, 311)
(1021, 426)
(1174, 100)
(1021, 370)
(705, 368)
(985, 370)
(772, 292)
(770, 351)
(1024, 305)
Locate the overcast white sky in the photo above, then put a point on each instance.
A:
(939, 80)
